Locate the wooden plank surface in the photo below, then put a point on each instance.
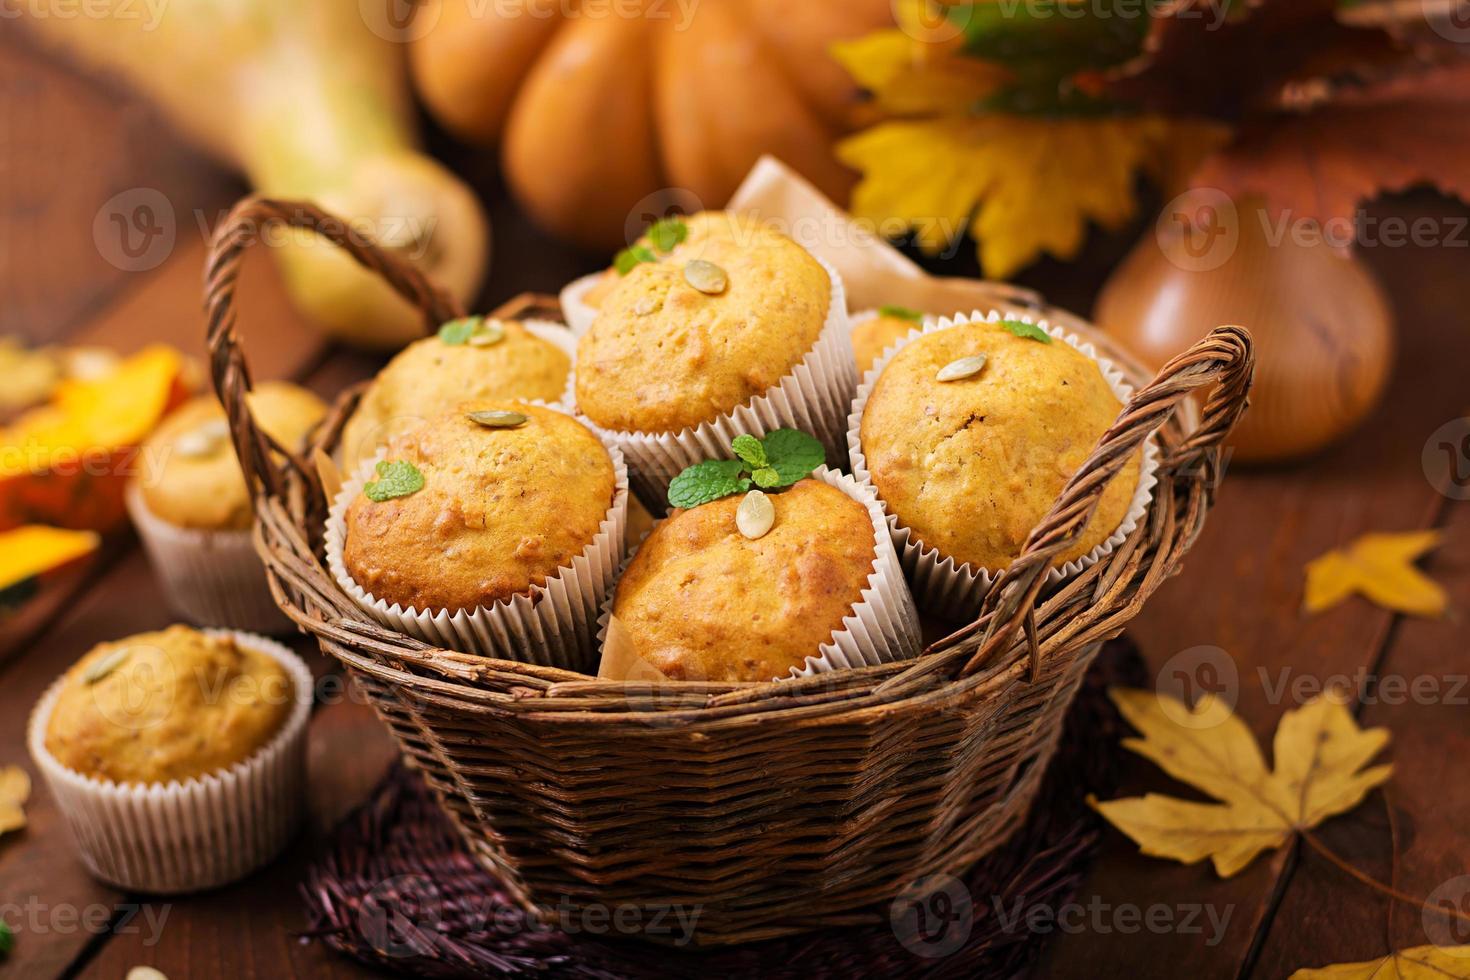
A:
(1241, 591)
(84, 143)
(1420, 691)
(72, 149)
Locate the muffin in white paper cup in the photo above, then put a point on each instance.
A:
(872, 333)
(552, 624)
(814, 397)
(956, 590)
(420, 381)
(882, 627)
(211, 578)
(191, 835)
(574, 307)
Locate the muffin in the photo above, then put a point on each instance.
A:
(196, 481)
(821, 589)
(192, 509)
(741, 331)
(491, 359)
(967, 466)
(177, 757)
(469, 521)
(875, 332)
(206, 703)
(716, 347)
(676, 238)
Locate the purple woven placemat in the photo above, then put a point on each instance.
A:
(396, 889)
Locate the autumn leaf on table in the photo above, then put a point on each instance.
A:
(1419, 963)
(1319, 755)
(15, 789)
(1022, 184)
(1322, 164)
(1380, 567)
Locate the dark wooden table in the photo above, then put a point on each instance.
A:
(68, 144)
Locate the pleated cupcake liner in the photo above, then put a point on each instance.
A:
(814, 397)
(883, 625)
(574, 308)
(207, 831)
(211, 578)
(554, 624)
(956, 590)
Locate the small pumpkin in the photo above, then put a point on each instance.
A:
(602, 103)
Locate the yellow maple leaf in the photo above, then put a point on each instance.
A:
(1022, 185)
(910, 78)
(1320, 753)
(15, 789)
(1381, 568)
(1419, 963)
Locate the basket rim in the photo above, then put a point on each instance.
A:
(1015, 636)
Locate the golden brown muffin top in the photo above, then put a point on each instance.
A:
(166, 706)
(430, 377)
(662, 356)
(699, 228)
(971, 466)
(872, 337)
(190, 475)
(500, 511)
(700, 601)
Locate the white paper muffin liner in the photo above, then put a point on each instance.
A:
(554, 625)
(176, 837)
(211, 578)
(814, 397)
(955, 590)
(882, 627)
(574, 308)
(554, 333)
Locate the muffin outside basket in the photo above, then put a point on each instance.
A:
(768, 808)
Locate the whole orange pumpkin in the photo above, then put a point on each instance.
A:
(598, 104)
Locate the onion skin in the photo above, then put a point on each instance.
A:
(1322, 325)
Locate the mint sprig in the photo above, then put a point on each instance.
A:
(792, 454)
(778, 460)
(900, 313)
(458, 332)
(1027, 331)
(666, 233)
(631, 257)
(396, 478)
(706, 481)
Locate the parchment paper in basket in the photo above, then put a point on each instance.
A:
(875, 272)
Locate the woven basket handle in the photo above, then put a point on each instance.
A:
(265, 463)
(1225, 359)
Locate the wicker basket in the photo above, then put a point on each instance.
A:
(769, 808)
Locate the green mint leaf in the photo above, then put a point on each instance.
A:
(766, 477)
(667, 232)
(457, 332)
(398, 478)
(750, 450)
(706, 481)
(1028, 331)
(792, 454)
(631, 256)
(7, 939)
(901, 313)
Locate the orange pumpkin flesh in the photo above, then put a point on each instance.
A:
(66, 464)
